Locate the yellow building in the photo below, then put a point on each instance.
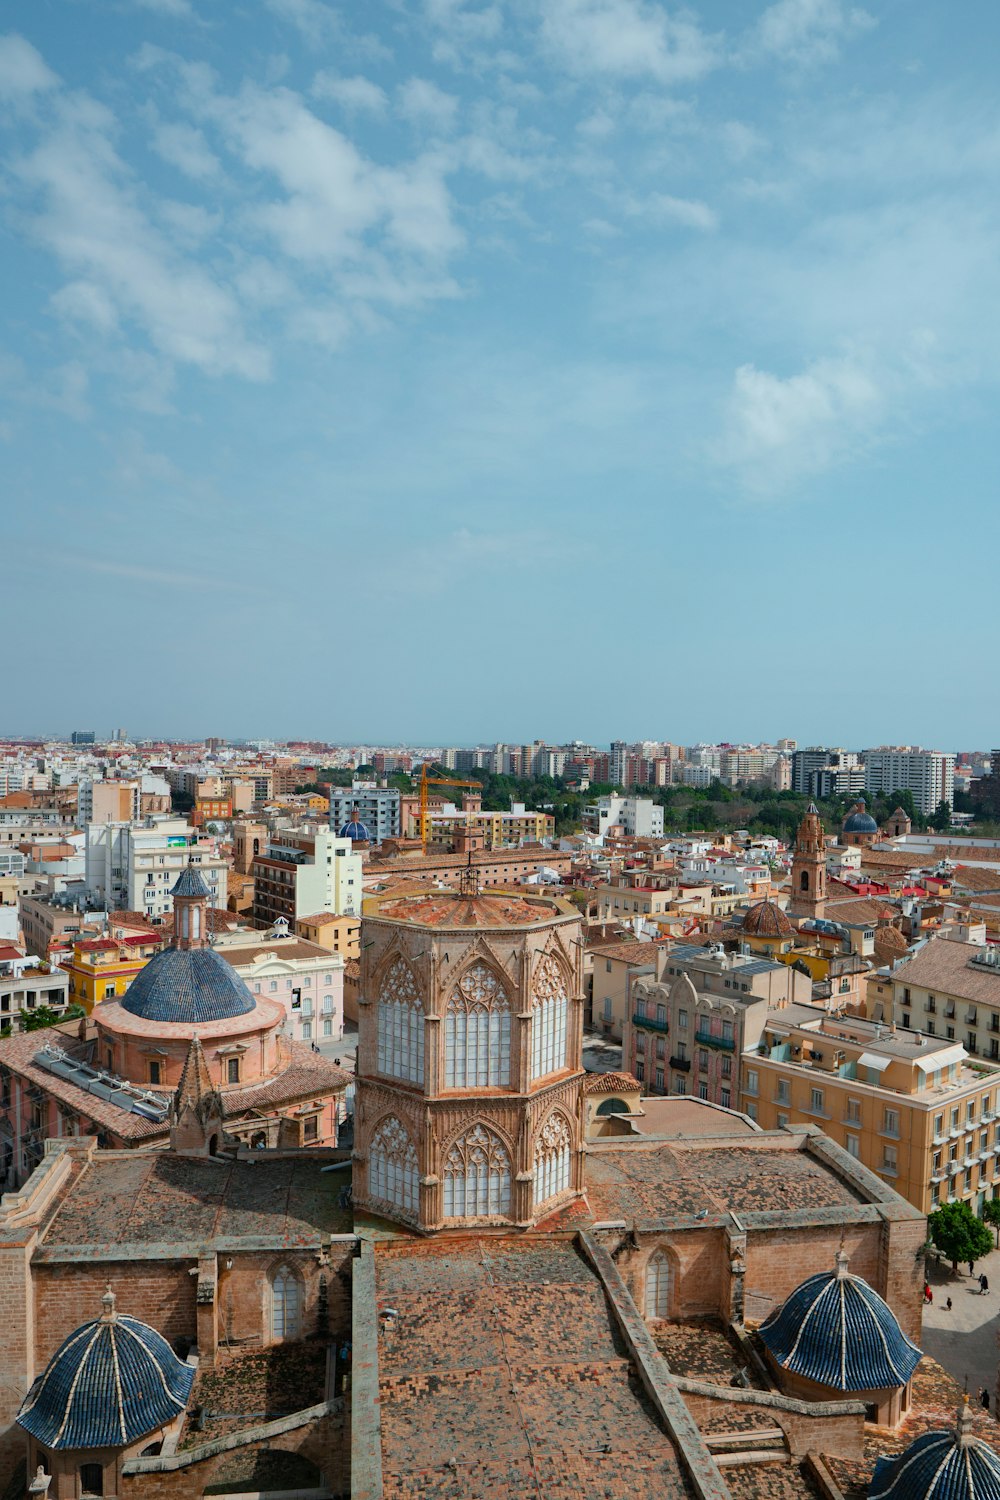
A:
(912, 1109)
(103, 968)
(337, 934)
(495, 829)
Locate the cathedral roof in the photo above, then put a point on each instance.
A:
(766, 919)
(111, 1382)
(836, 1330)
(187, 985)
(950, 1465)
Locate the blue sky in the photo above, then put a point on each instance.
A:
(444, 370)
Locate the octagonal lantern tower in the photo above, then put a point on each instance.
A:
(468, 1107)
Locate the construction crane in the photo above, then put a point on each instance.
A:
(428, 781)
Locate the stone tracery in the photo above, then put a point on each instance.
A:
(477, 1031)
(477, 1176)
(400, 1025)
(393, 1172)
(548, 1026)
(552, 1158)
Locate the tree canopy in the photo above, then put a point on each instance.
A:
(958, 1234)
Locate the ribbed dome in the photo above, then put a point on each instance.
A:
(859, 820)
(356, 831)
(940, 1466)
(766, 919)
(190, 883)
(111, 1382)
(834, 1329)
(187, 986)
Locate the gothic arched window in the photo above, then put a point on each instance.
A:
(552, 1158)
(286, 1305)
(400, 1025)
(477, 1176)
(658, 1286)
(477, 1032)
(548, 1022)
(804, 880)
(393, 1175)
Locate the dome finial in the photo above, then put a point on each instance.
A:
(843, 1261)
(109, 1315)
(964, 1436)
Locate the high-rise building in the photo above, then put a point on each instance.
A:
(928, 774)
(377, 807)
(83, 737)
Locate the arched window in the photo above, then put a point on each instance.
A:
(548, 1022)
(552, 1158)
(477, 1032)
(286, 1305)
(804, 880)
(658, 1286)
(400, 1025)
(477, 1176)
(613, 1107)
(393, 1176)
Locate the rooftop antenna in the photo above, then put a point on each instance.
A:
(469, 883)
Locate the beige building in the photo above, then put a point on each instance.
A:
(947, 989)
(613, 964)
(912, 1109)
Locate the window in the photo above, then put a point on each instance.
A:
(640, 1070)
(552, 1157)
(659, 1079)
(703, 1091)
(727, 1067)
(782, 1120)
(477, 1032)
(310, 1128)
(392, 1168)
(682, 1020)
(752, 1109)
(608, 1008)
(307, 1031)
(109, 991)
(91, 1479)
(852, 1114)
(890, 1122)
(661, 1015)
(783, 1094)
(477, 1176)
(889, 1160)
(232, 1070)
(680, 1084)
(548, 1022)
(939, 1125)
(328, 1028)
(752, 1081)
(727, 1031)
(726, 1098)
(640, 1043)
(154, 1072)
(657, 1302)
(702, 1060)
(286, 1305)
(854, 1146)
(816, 1101)
(400, 1025)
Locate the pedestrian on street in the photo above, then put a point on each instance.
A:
(984, 1285)
(928, 1294)
(948, 1304)
(971, 1266)
(984, 1399)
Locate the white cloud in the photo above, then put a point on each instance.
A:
(315, 20)
(86, 211)
(84, 302)
(627, 39)
(179, 8)
(185, 148)
(692, 213)
(355, 93)
(810, 31)
(23, 71)
(423, 102)
(780, 430)
(465, 31)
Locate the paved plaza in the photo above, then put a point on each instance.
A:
(964, 1338)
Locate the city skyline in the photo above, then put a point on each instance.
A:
(521, 349)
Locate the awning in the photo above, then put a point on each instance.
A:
(874, 1060)
(942, 1059)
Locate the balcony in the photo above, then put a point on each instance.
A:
(720, 1043)
(650, 1023)
(682, 1064)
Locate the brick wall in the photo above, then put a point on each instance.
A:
(838, 1434)
(160, 1293)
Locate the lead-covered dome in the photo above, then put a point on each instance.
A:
(952, 1465)
(766, 920)
(860, 820)
(835, 1329)
(110, 1383)
(187, 985)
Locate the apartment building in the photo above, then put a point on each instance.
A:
(689, 1020)
(102, 968)
(928, 774)
(949, 989)
(913, 1109)
(134, 866)
(108, 801)
(305, 873)
(47, 919)
(820, 772)
(27, 982)
(489, 829)
(378, 808)
(612, 965)
(306, 979)
(639, 817)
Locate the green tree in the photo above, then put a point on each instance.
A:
(941, 817)
(40, 1017)
(958, 1234)
(991, 1215)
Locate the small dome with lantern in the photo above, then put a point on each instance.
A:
(949, 1465)
(766, 919)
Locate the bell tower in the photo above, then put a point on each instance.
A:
(809, 867)
(191, 897)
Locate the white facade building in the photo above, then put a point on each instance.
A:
(638, 816)
(133, 866)
(928, 774)
(303, 977)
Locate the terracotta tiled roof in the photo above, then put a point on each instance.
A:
(632, 952)
(976, 878)
(611, 1083)
(944, 966)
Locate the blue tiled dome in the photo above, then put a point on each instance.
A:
(190, 883)
(940, 1466)
(356, 831)
(111, 1382)
(187, 985)
(859, 820)
(836, 1330)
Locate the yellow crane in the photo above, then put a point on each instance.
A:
(429, 781)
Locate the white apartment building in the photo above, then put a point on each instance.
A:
(638, 816)
(928, 774)
(303, 977)
(133, 866)
(301, 875)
